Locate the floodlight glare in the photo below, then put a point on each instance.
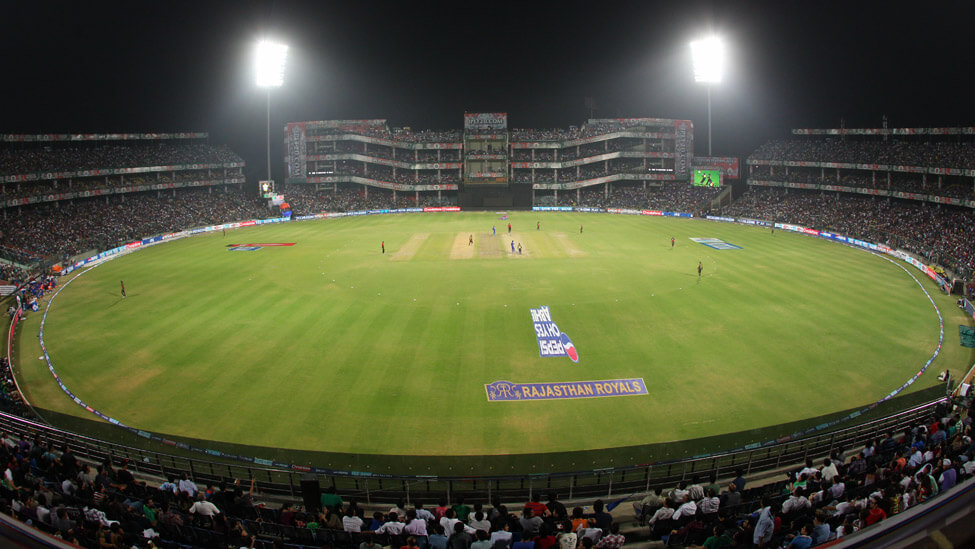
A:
(269, 63)
(708, 56)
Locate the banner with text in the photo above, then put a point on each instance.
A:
(501, 391)
(478, 121)
(683, 148)
(295, 135)
(551, 340)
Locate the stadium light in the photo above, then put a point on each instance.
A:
(269, 64)
(709, 56)
(269, 71)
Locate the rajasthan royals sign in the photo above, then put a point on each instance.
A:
(507, 391)
(551, 341)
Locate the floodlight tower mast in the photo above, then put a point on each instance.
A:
(708, 55)
(269, 68)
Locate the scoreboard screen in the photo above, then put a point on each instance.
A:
(707, 178)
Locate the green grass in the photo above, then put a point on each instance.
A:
(330, 345)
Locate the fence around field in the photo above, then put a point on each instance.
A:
(603, 483)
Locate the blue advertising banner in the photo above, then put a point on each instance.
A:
(716, 243)
(747, 221)
(507, 391)
(551, 340)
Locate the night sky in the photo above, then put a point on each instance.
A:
(159, 66)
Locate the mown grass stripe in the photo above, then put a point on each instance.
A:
(282, 356)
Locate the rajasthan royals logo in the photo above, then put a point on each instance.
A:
(503, 390)
(551, 340)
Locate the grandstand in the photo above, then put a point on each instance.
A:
(51, 183)
(486, 165)
(911, 188)
(90, 195)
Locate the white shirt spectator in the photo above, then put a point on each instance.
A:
(352, 524)
(843, 508)
(837, 489)
(795, 503)
(688, 509)
(908, 499)
(416, 527)
(393, 528)
(204, 508)
(482, 524)
(663, 513)
(448, 526)
(969, 467)
(188, 486)
(502, 535)
(595, 534)
(677, 494)
(829, 471)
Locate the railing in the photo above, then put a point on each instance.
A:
(605, 483)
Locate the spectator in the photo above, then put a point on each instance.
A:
(187, 486)
(687, 509)
(351, 522)
(603, 519)
(612, 539)
(459, 539)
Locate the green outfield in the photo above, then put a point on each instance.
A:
(330, 345)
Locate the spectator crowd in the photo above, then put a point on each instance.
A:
(670, 197)
(942, 235)
(916, 153)
(952, 186)
(818, 503)
(17, 159)
(305, 199)
(108, 183)
(67, 228)
(105, 504)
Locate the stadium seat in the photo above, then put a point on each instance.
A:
(306, 536)
(662, 528)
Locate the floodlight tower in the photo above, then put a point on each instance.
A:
(269, 69)
(709, 56)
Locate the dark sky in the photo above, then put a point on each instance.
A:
(157, 66)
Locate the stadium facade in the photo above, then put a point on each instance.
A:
(488, 165)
